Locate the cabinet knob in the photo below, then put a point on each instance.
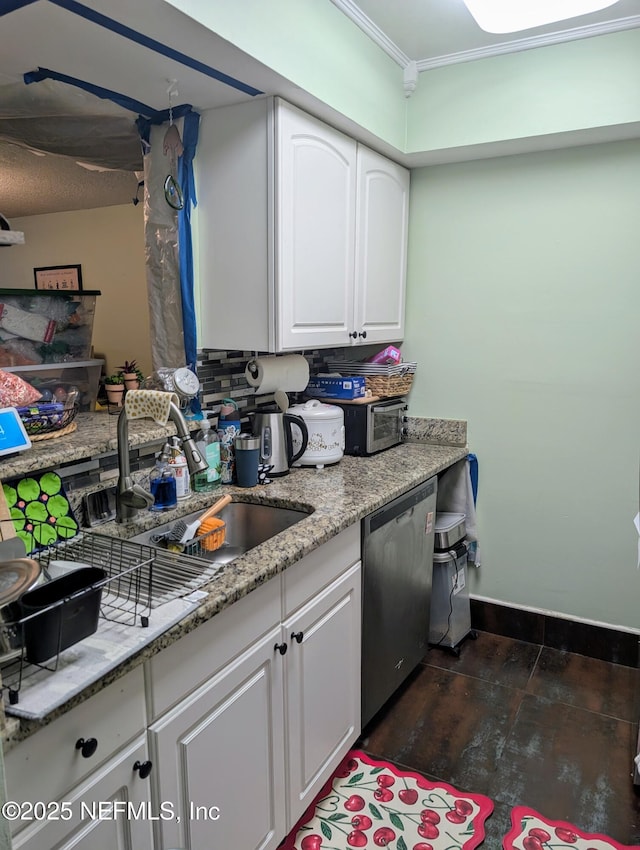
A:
(144, 768)
(281, 647)
(87, 747)
(297, 636)
(353, 335)
(363, 334)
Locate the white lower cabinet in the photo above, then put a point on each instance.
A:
(322, 687)
(241, 723)
(109, 811)
(244, 754)
(219, 755)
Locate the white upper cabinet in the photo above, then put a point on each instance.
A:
(301, 233)
(381, 248)
(315, 232)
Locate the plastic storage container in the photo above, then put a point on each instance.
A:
(450, 529)
(67, 609)
(49, 377)
(45, 326)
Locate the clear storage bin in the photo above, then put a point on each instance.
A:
(45, 326)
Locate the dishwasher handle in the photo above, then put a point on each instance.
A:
(401, 505)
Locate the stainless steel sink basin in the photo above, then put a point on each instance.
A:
(247, 525)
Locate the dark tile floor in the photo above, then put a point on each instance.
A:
(522, 724)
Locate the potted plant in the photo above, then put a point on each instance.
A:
(132, 376)
(114, 387)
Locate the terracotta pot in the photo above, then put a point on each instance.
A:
(131, 381)
(115, 393)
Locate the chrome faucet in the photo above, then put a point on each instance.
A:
(131, 497)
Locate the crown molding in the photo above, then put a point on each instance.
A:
(351, 10)
(559, 37)
(369, 28)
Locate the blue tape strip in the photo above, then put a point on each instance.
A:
(7, 6)
(190, 128)
(152, 44)
(106, 94)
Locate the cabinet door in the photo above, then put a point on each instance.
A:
(93, 824)
(220, 758)
(315, 231)
(381, 248)
(322, 687)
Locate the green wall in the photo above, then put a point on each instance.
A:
(523, 307)
(523, 295)
(314, 45)
(561, 88)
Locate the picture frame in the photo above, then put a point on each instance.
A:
(61, 278)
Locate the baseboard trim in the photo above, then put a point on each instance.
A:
(607, 644)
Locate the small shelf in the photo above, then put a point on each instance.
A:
(11, 237)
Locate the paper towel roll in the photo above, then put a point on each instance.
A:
(268, 374)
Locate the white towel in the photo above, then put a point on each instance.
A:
(455, 494)
(149, 404)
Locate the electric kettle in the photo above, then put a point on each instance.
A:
(273, 427)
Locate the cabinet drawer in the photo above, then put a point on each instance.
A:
(93, 828)
(182, 667)
(47, 764)
(319, 568)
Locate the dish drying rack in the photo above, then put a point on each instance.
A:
(137, 579)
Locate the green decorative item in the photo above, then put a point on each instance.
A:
(51, 483)
(36, 512)
(40, 510)
(27, 539)
(58, 506)
(10, 494)
(45, 534)
(28, 489)
(66, 527)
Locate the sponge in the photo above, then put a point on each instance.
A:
(211, 534)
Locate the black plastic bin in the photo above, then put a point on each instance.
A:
(70, 606)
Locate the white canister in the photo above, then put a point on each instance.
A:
(325, 424)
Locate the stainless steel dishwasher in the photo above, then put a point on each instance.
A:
(397, 560)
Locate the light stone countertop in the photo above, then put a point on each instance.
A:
(96, 434)
(339, 495)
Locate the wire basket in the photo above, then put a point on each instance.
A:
(212, 536)
(384, 380)
(387, 386)
(46, 418)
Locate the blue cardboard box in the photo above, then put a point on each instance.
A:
(328, 387)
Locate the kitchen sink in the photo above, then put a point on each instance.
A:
(247, 525)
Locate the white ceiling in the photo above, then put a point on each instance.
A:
(44, 34)
(439, 32)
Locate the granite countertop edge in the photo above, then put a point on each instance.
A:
(339, 495)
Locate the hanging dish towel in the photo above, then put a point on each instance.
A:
(457, 494)
(149, 404)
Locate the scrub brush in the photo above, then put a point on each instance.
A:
(183, 532)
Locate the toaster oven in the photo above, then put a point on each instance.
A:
(372, 426)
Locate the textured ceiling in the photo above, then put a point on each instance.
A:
(34, 185)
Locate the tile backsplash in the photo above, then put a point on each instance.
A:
(222, 376)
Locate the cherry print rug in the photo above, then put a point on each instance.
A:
(372, 804)
(531, 831)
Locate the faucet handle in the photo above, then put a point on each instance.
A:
(136, 497)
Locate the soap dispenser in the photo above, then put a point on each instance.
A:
(178, 462)
(208, 444)
(163, 483)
